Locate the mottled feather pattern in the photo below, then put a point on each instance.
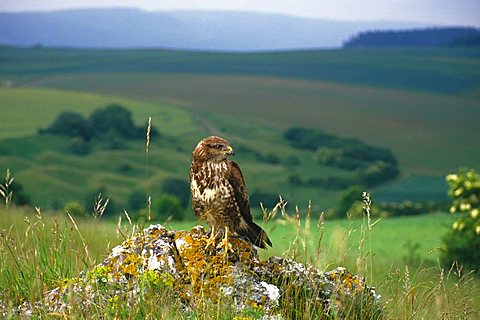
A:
(219, 193)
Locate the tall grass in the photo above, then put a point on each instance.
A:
(417, 289)
(40, 250)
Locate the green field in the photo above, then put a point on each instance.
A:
(400, 99)
(49, 248)
(52, 176)
(406, 122)
(442, 70)
(420, 103)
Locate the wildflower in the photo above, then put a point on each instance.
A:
(458, 192)
(451, 177)
(474, 213)
(468, 185)
(453, 209)
(477, 229)
(455, 225)
(464, 206)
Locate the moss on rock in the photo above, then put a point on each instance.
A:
(180, 262)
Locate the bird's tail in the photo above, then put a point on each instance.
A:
(256, 235)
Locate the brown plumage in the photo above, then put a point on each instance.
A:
(219, 194)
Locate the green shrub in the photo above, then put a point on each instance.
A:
(370, 165)
(115, 118)
(463, 241)
(79, 146)
(112, 123)
(410, 208)
(113, 140)
(75, 209)
(137, 200)
(180, 188)
(167, 206)
(346, 200)
(378, 172)
(351, 203)
(69, 124)
(20, 198)
(268, 199)
(98, 200)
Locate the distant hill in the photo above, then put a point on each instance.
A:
(198, 30)
(420, 103)
(429, 37)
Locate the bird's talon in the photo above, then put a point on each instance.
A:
(211, 239)
(225, 244)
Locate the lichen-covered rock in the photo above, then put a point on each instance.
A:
(197, 274)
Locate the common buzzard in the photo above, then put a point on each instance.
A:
(219, 194)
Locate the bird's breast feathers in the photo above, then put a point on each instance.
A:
(210, 182)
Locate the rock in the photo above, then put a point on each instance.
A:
(181, 262)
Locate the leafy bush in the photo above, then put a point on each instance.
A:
(335, 157)
(179, 188)
(310, 139)
(111, 124)
(75, 209)
(113, 140)
(117, 119)
(20, 198)
(79, 146)
(351, 203)
(378, 172)
(371, 165)
(94, 197)
(167, 206)
(463, 241)
(346, 200)
(268, 199)
(137, 200)
(69, 124)
(410, 208)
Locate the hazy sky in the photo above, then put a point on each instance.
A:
(451, 12)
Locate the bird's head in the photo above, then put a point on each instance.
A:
(212, 149)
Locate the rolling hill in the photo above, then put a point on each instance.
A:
(420, 103)
(52, 175)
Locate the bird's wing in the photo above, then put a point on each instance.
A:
(241, 194)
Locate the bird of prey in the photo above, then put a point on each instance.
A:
(219, 194)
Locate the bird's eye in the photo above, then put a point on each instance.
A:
(218, 146)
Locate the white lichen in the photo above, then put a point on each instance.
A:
(272, 291)
(153, 263)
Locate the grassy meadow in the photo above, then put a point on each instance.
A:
(41, 249)
(419, 103)
(399, 99)
(422, 104)
(50, 174)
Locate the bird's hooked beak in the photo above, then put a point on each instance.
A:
(230, 151)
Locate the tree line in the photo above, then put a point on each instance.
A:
(111, 125)
(429, 37)
(369, 165)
